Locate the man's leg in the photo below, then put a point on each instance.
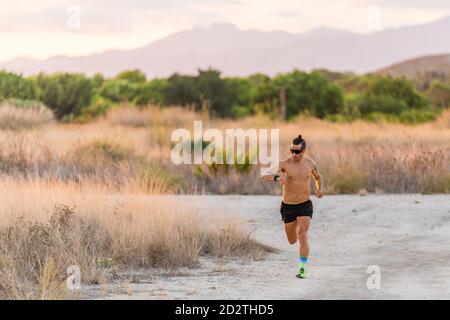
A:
(302, 232)
(303, 226)
(291, 231)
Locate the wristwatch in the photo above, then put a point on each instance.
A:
(276, 178)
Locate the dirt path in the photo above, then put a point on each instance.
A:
(406, 236)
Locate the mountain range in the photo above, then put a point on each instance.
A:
(434, 66)
(238, 52)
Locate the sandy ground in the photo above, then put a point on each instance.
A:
(406, 236)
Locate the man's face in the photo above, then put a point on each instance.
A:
(297, 152)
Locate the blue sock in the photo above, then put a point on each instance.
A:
(303, 260)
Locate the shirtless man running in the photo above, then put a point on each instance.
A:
(296, 208)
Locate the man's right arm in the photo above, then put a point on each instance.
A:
(271, 173)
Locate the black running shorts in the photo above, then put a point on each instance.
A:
(289, 212)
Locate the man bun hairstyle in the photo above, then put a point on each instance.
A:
(299, 141)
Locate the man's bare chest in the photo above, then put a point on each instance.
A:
(297, 172)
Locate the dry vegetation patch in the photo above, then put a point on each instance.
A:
(45, 228)
(15, 116)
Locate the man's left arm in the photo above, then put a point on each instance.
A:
(318, 182)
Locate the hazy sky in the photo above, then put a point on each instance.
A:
(43, 28)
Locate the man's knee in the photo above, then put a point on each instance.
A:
(302, 237)
(292, 240)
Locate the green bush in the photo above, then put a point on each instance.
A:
(153, 175)
(399, 89)
(437, 184)
(118, 91)
(352, 105)
(213, 92)
(439, 93)
(414, 116)
(318, 93)
(98, 107)
(15, 86)
(310, 92)
(182, 90)
(241, 163)
(370, 103)
(134, 76)
(102, 153)
(339, 118)
(66, 94)
(344, 179)
(151, 92)
(240, 112)
(381, 117)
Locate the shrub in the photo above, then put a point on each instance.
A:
(128, 117)
(304, 91)
(151, 92)
(381, 117)
(240, 112)
(439, 93)
(15, 86)
(155, 177)
(437, 184)
(41, 252)
(339, 118)
(399, 89)
(21, 114)
(345, 179)
(370, 103)
(414, 116)
(102, 160)
(66, 94)
(98, 107)
(135, 76)
(105, 237)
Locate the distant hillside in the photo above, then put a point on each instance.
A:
(238, 52)
(430, 67)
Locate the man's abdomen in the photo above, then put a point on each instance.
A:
(296, 193)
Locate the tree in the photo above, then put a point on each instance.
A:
(134, 76)
(352, 83)
(151, 92)
(97, 80)
(66, 94)
(213, 91)
(239, 93)
(387, 96)
(399, 89)
(439, 94)
(264, 97)
(305, 92)
(118, 91)
(15, 86)
(182, 90)
(370, 103)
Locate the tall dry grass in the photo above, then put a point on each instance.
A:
(45, 227)
(151, 116)
(116, 152)
(380, 157)
(14, 117)
(89, 194)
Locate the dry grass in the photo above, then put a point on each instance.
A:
(20, 118)
(151, 116)
(85, 194)
(377, 156)
(46, 227)
(382, 156)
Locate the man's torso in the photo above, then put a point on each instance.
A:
(297, 188)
